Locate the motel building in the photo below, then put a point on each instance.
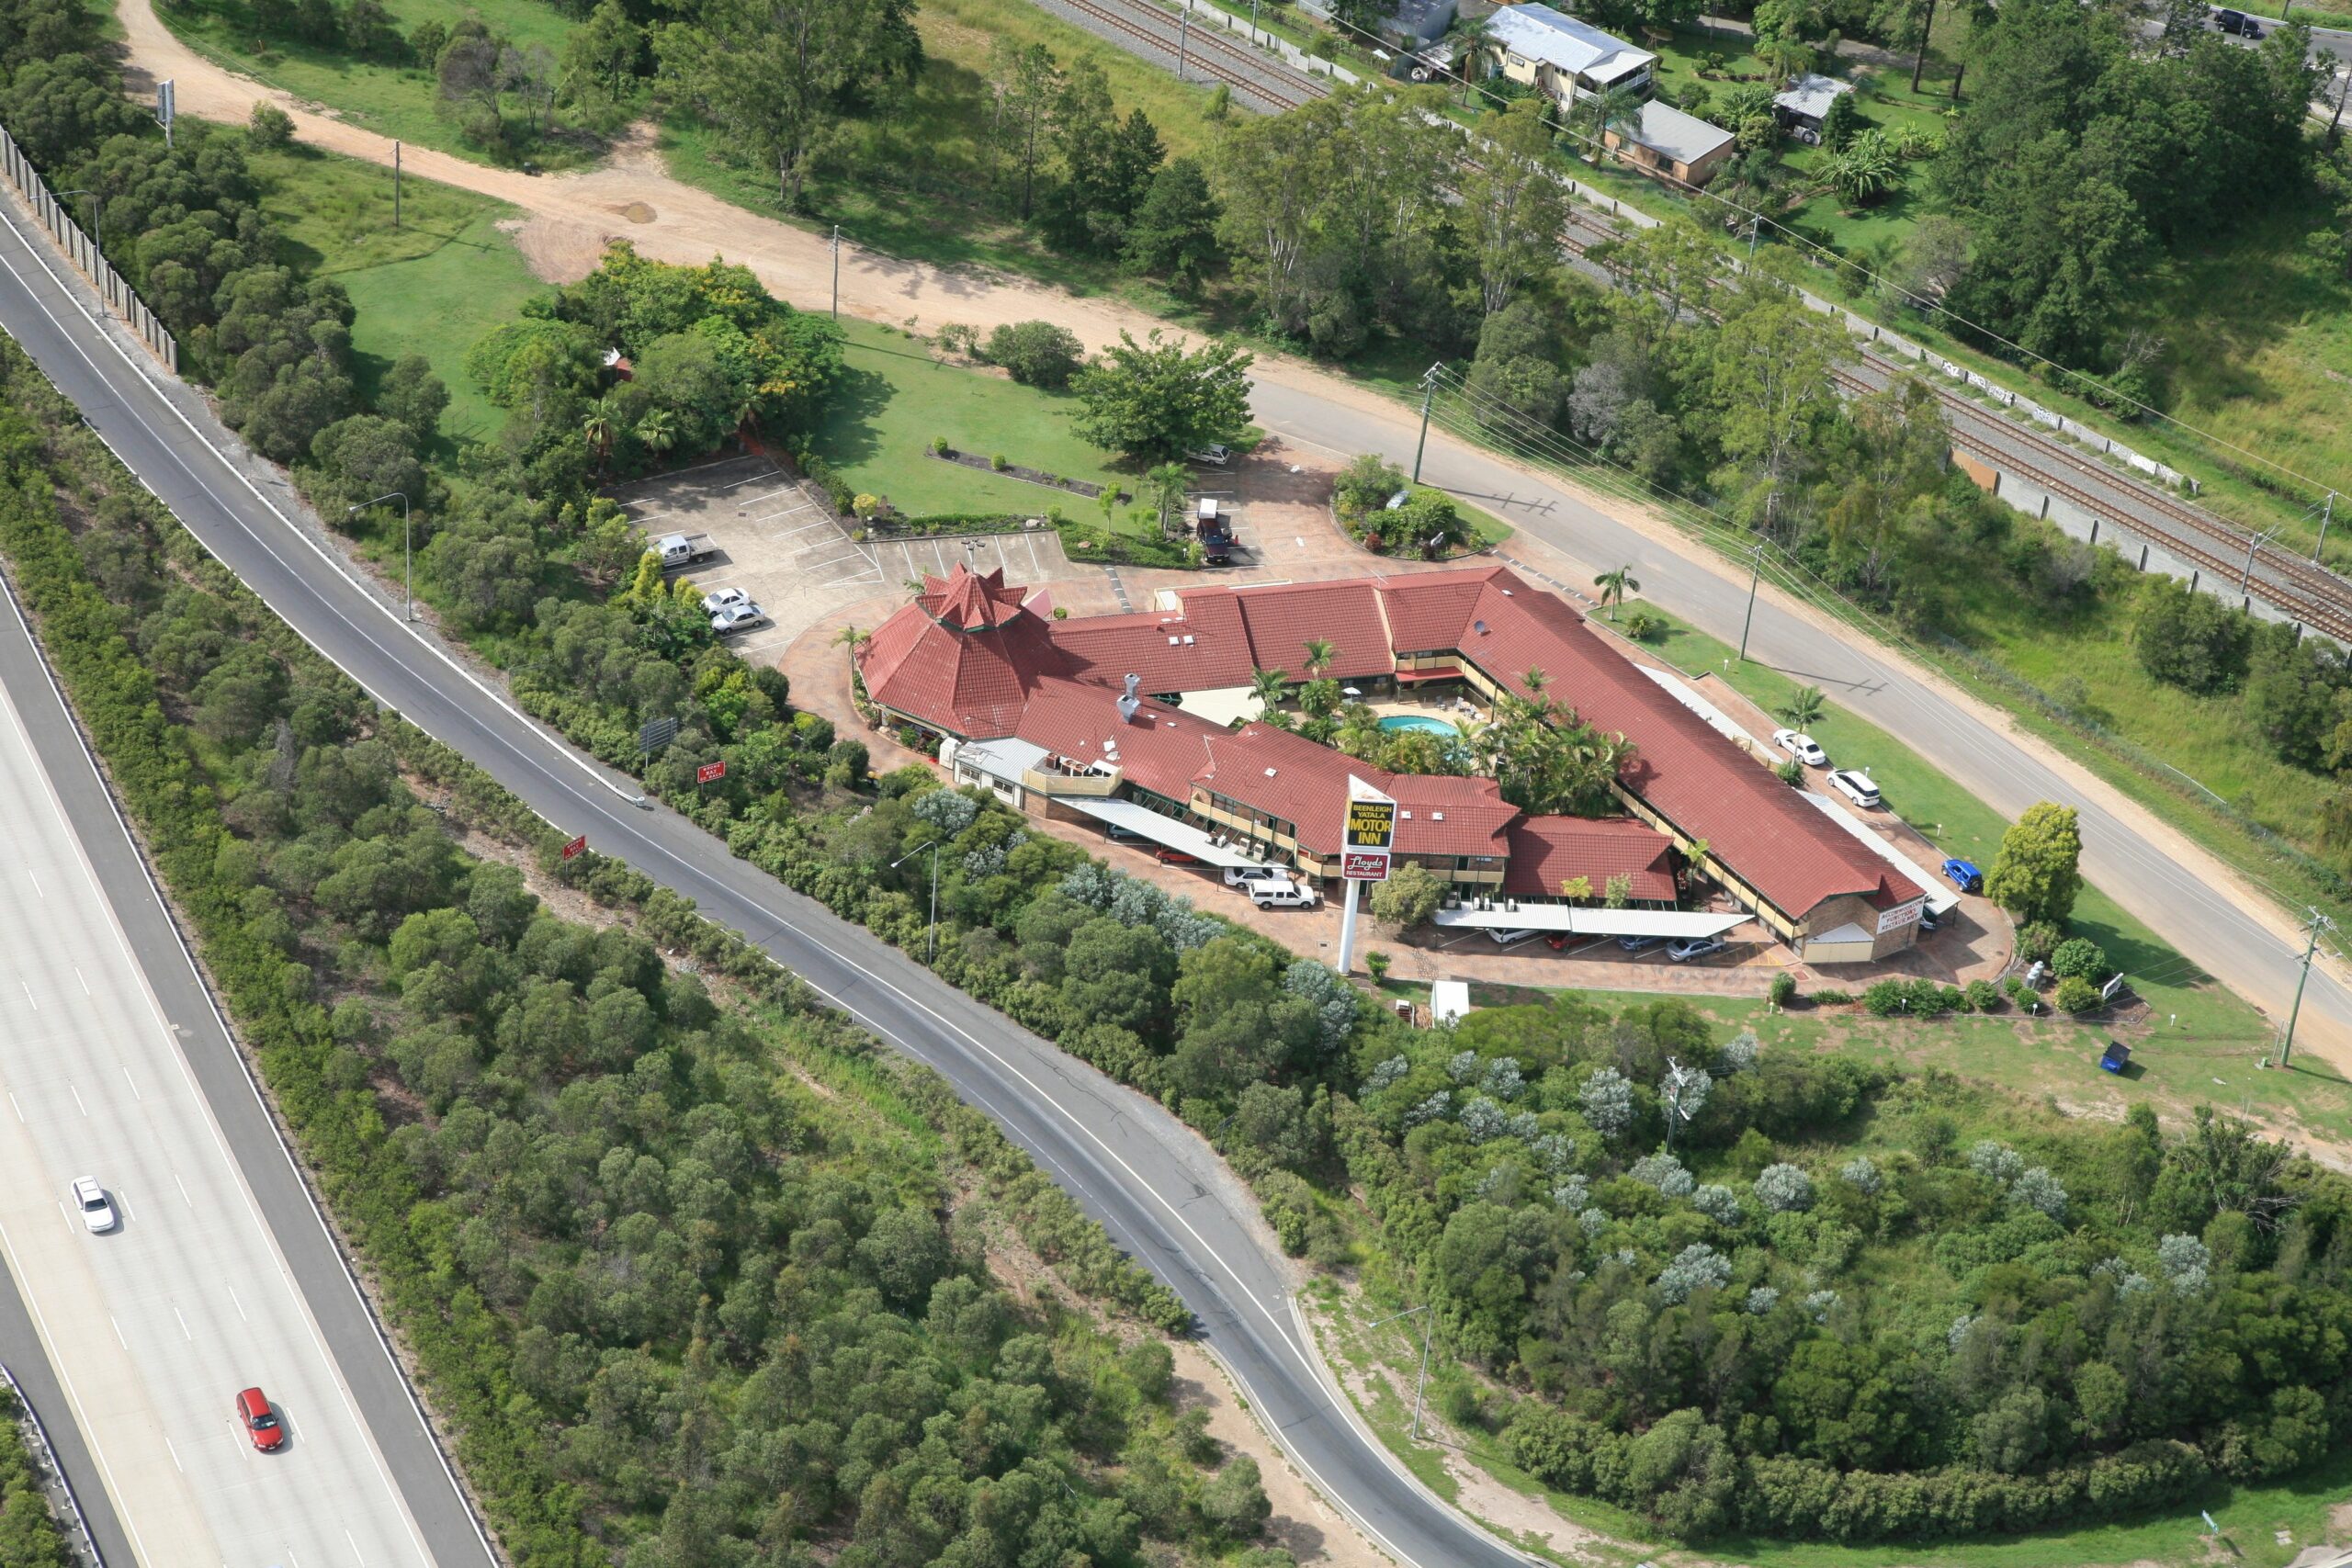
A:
(1144, 725)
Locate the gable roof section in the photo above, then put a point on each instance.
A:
(1682, 770)
(1546, 851)
(1154, 647)
(1538, 32)
(1684, 138)
(1279, 620)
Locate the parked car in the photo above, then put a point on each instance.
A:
(1964, 875)
(1856, 786)
(1243, 875)
(91, 1199)
(1639, 944)
(1508, 937)
(679, 551)
(719, 599)
(1929, 921)
(1802, 747)
(1692, 947)
(736, 618)
(1175, 857)
(1119, 835)
(1217, 455)
(260, 1422)
(1285, 895)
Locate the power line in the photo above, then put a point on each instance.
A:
(1756, 217)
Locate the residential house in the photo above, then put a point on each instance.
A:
(1559, 55)
(1409, 25)
(1679, 148)
(1803, 104)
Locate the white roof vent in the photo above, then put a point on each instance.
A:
(1408, 817)
(1437, 815)
(1478, 626)
(1270, 772)
(1507, 593)
(1190, 639)
(1174, 641)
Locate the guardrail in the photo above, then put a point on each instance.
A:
(83, 252)
(49, 1457)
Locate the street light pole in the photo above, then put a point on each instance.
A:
(837, 272)
(1422, 1381)
(408, 550)
(97, 212)
(1754, 569)
(2325, 517)
(932, 947)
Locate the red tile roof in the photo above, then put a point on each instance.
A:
(1067, 674)
(1546, 851)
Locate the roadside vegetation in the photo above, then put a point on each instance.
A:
(30, 1536)
(696, 1272)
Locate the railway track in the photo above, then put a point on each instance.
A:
(1238, 65)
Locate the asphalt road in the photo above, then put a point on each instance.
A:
(1153, 1183)
(28, 1361)
(154, 1327)
(2008, 773)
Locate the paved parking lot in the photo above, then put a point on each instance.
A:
(774, 542)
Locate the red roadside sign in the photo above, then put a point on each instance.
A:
(710, 772)
(1363, 865)
(574, 847)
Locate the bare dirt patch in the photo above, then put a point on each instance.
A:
(637, 212)
(1303, 1524)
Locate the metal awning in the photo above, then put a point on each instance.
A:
(1593, 923)
(1159, 829)
(1444, 672)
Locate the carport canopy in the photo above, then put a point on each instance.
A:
(1592, 922)
(1163, 830)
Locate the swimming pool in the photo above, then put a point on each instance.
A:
(1417, 721)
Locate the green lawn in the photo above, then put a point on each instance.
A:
(2199, 1009)
(441, 280)
(395, 99)
(901, 398)
(920, 184)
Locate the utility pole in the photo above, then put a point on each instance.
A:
(2325, 517)
(1754, 570)
(932, 948)
(2246, 576)
(837, 272)
(396, 186)
(2318, 924)
(408, 552)
(1420, 1382)
(97, 212)
(2343, 89)
(1184, 33)
(1429, 390)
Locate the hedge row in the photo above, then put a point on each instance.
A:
(30, 1535)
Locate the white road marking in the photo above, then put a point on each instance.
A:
(184, 1328)
(355, 1557)
(12, 1105)
(133, 1083)
(236, 1302)
(85, 985)
(77, 1098)
(66, 1215)
(126, 1208)
(35, 880)
(117, 1333)
(175, 1462)
(182, 1187)
(27, 985)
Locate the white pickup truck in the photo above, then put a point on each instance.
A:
(679, 551)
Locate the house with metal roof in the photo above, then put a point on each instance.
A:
(1803, 103)
(1563, 56)
(1084, 719)
(1679, 148)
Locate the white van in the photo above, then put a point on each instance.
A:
(1284, 896)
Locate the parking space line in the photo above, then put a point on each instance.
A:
(784, 534)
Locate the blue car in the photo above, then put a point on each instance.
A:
(1964, 875)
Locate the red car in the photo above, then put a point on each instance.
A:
(1178, 857)
(261, 1423)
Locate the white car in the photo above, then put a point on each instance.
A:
(1803, 748)
(1245, 875)
(1856, 786)
(91, 1199)
(1283, 895)
(720, 599)
(738, 619)
(1217, 455)
(1508, 937)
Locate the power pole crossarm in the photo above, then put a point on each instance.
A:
(1429, 390)
(2317, 923)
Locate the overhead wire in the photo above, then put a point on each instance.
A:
(1756, 215)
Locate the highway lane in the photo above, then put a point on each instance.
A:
(1155, 1184)
(28, 1362)
(158, 1324)
(2005, 770)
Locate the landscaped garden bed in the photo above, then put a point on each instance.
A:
(998, 465)
(1427, 524)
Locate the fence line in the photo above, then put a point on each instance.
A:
(83, 252)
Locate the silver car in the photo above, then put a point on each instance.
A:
(91, 1199)
(740, 617)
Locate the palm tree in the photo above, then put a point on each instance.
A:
(1611, 105)
(1785, 57)
(598, 429)
(1267, 686)
(1614, 586)
(656, 432)
(1320, 655)
(1471, 37)
(852, 638)
(1165, 485)
(1865, 170)
(1804, 710)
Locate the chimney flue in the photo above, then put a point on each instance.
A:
(1129, 704)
